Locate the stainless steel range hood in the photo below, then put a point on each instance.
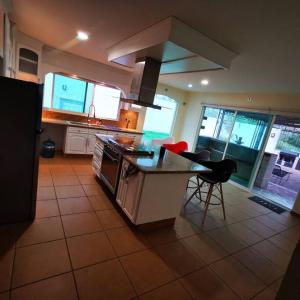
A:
(144, 83)
(170, 47)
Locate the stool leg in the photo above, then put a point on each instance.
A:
(188, 184)
(200, 186)
(207, 202)
(222, 200)
(190, 198)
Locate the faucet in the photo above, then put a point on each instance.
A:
(93, 109)
(127, 122)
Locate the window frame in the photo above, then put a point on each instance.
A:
(175, 113)
(87, 81)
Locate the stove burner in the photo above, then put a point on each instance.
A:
(126, 146)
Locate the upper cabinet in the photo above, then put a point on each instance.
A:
(27, 63)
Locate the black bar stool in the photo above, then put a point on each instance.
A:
(203, 155)
(221, 172)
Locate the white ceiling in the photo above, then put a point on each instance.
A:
(265, 33)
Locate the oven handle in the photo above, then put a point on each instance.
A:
(110, 157)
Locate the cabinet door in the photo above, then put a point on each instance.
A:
(97, 157)
(121, 195)
(132, 194)
(91, 144)
(76, 143)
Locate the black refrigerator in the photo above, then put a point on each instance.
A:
(20, 123)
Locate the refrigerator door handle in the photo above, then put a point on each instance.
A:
(40, 130)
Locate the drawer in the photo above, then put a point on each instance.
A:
(97, 131)
(96, 167)
(96, 162)
(99, 145)
(77, 129)
(98, 153)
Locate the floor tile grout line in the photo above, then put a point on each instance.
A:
(238, 251)
(120, 262)
(250, 229)
(225, 283)
(39, 280)
(261, 291)
(68, 251)
(12, 272)
(183, 286)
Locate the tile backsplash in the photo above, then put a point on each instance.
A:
(126, 117)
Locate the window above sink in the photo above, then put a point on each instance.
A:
(71, 94)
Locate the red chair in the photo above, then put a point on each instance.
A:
(178, 147)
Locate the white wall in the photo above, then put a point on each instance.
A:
(54, 60)
(180, 96)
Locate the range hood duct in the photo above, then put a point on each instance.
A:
(170, 47)
(144, 83)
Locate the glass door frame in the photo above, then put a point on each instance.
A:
(261, 154)
(264, 142)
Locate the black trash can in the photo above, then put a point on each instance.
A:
(48, 149)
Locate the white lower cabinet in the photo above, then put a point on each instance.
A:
(80, 140)
(130, 186)
(97, 157)
(76, 143)
(91, 142)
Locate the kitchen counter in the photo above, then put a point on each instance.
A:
(171, 162)
(148, 189)
(101, 127)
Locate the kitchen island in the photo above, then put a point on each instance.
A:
(148, 189)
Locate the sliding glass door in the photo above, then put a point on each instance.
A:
(215, 131)
(246, 143)
(237, 135)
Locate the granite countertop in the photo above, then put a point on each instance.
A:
(171, 163)
(101, 127)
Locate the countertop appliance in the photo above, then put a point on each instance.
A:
(111, 164)
(21, 108)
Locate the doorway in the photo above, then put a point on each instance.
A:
(237, 135)
(278, 177)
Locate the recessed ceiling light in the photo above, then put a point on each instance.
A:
(82, 36)
(190, 85)
(204, 82)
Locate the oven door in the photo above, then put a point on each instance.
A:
(110, 169)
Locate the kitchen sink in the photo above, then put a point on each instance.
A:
(86, 124)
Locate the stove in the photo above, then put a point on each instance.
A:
(111, 163)
(130, 146)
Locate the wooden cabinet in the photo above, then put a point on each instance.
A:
(130, 186)
(76, 140)
(97, 157)
(150, 197)
(80, 140)
(76, 143)
(91, 142)
(27, 63)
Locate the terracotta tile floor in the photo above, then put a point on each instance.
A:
(81, 247)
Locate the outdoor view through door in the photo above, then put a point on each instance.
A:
(159, 123)
(269, 168)
(278, 178)
(236, 135)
